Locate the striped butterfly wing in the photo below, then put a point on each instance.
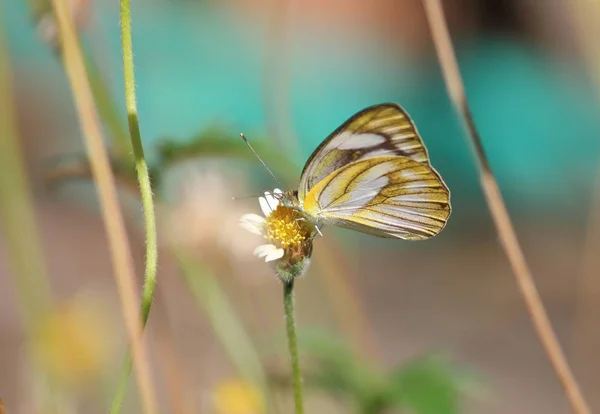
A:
(389, 196)
(380, 130)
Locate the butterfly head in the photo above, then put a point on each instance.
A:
(288, 198)
(313, 221)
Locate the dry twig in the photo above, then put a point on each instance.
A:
(508, 238)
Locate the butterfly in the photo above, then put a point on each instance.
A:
(373, 175)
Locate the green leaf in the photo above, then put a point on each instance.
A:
(331, 366)
(217, 140)
(425, 386)
(77, 166)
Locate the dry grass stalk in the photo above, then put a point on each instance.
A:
(105, 182)
(508, 238)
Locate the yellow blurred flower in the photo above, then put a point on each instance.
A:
(75, 341)
(237, 397)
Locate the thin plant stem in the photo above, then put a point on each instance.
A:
(228, 328)
(17, 213)
(108, 111)
(140, 162)
(276, 84)
(585, 18)
(276, 79)
(119, 397)
(141, 168)
(18, 222)
(290, 324)
(178, 385)
(105, 183)
(276, 74)
(346, 301)
(508, 238)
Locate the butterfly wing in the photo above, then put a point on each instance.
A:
(379, 130)
(390, 196)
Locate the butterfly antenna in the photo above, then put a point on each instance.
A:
(245, 197)
(260, 159)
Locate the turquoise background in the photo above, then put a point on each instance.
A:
(197, 64)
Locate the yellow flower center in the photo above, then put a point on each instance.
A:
(286, 227)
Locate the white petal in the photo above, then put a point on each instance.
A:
(277, 191)
(269, 251)
(271, 201)
(253, 223)
(264, 206)
(264, 249)
(274, 255)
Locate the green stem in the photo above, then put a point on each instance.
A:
(20, 231)
(145, 191)
(290, 321)
(119, 396)
(226, 324)
(107, 110)
(17, 213)
(140, 163)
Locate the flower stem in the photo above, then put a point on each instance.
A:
(111, 213)
(145, 192)
(140, 163)
(290, 321)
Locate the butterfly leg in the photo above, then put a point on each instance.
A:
(319, 231)
(316, 226)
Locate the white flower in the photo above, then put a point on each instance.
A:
(258, 225)
(289, 233)
(203, 219)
